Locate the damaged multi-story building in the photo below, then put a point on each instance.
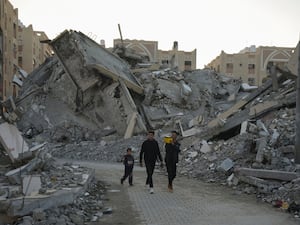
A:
(174, 58)
(31, 52)
(252, 63)
(8, 48)
(20, 50)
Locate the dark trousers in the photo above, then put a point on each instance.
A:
(128, 173)
(150, 169)
(171, 169)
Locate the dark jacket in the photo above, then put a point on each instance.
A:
(150, 150)
(128, 161)
(172, 151)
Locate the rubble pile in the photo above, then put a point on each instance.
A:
(105, 151)
(171, 95)
(87, 207)
(266, 145)
(86, 103)
(44, 191)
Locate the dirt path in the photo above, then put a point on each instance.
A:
(192, 203)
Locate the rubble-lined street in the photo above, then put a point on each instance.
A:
(193, 202)
(87, 103)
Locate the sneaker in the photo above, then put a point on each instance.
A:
(170, 188)
(151, 191)
(130, 184)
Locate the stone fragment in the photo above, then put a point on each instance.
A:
(227, 164)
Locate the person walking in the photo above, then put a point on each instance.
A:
(150, 151)
(171, 158)
(128, 162)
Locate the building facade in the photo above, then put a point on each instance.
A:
(31, 52)
(8, 49)
(252, 63)
(181, 60)
(20, 48)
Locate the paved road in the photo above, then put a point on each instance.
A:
(192, 202)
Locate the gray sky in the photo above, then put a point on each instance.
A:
(209, 26)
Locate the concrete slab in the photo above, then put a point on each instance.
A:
(14, 176)
(244, 127)
(170, 89)
(267, 174)
(261, 144)
(262, 185)
(196, 121)
(80, 55)
(205, 148)
(227, 164)
(131, 125)
(12, 141)
(31, 184)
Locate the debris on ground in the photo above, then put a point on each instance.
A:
(86, 103)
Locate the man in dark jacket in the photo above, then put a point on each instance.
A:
(171, 158)
(128, 162)
(150, 151)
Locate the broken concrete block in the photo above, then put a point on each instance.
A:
(12, 141)
(205, 148)
(187, 133)
(262, 185)
(267, 174)
(196, 121)
(131, 125)
(26, 205)
(14, 176)
(186, 90)
(193, 154)
(247, 87)
(170, 89)
(17, 81)
(252, 128)
(274, 137)
(212, 158)
(262, 127)
(261, 144)
(229, 179)
(31, 184)
(38, 214)
(226, 165)
(287, 149)
(244, 127)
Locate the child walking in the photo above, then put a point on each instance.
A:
(128, 162)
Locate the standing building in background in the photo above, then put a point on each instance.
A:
(31, 52)
(175, 59)
(251, 64)
(8, 49)
(20, 48)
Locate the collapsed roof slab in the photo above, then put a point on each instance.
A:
(80, 56)
(12, 141)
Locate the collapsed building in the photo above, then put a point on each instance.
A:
(87, 103)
